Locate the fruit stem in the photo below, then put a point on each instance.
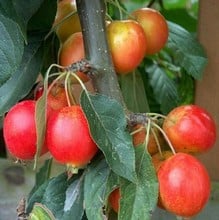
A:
(92, 19)
(165, 136)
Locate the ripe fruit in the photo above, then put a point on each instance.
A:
(184, 185)
(114, 198)
(56, 98)
(139, 138)
(190, 129)
(72, 51)
(19, 130)
(127, 43)
(155, 28)
(66, 26)
(68, 137)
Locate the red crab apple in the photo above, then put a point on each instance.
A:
(19, 129)
(72, 51)
(68, 137)
(114, 199)
(184, 185)
(127, 44)
(56, 98)
(190, 129)
(155, 28)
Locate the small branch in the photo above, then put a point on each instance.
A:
(136, 118)
(83, 66)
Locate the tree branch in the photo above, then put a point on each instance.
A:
(92, 17)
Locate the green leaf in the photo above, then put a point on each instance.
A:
(74, 207)
(181, 17)
(42, 176)
(11, 48)
(63, 197)
(133, 91)
(138, 200)
(40, 212)
(164, 88)
(38, 22)
(23, 79)
(187, 51)
(20, 11)
(107, 123)
(94, 189)
(186, 89)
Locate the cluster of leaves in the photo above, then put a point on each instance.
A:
(158, 85)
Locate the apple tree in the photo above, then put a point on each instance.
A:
(128, 84)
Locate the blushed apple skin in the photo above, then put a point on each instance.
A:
(19, 130)
(184, 185)
(155, 28)
(190, 129)
(127, 44)
(68, 137)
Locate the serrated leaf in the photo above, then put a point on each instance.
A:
(165, 90)
(56, 195)
(186, 89)
(107, 123)
(94, 189)
(138, 200)
(40, 212)
(11, 48)
(23, 79)
(133, 91)
(187, 51)
(99, 182)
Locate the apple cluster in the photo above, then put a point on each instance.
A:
(184, 183)
(74, 147)
(143, 33)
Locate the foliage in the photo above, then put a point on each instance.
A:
(162, 82)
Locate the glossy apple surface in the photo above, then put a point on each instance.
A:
(155, 28)
(190, 129)
(68, 137)
(184, 185)
(127, 44)
(19, 129)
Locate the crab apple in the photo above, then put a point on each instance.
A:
(184, 185)
(139, 138)
(68, 137)
(127, 44)
(66, 19)
(72, 51)
(19, 130)
(114, 199)
(190, 129)
(155, 28)
(56, 98)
